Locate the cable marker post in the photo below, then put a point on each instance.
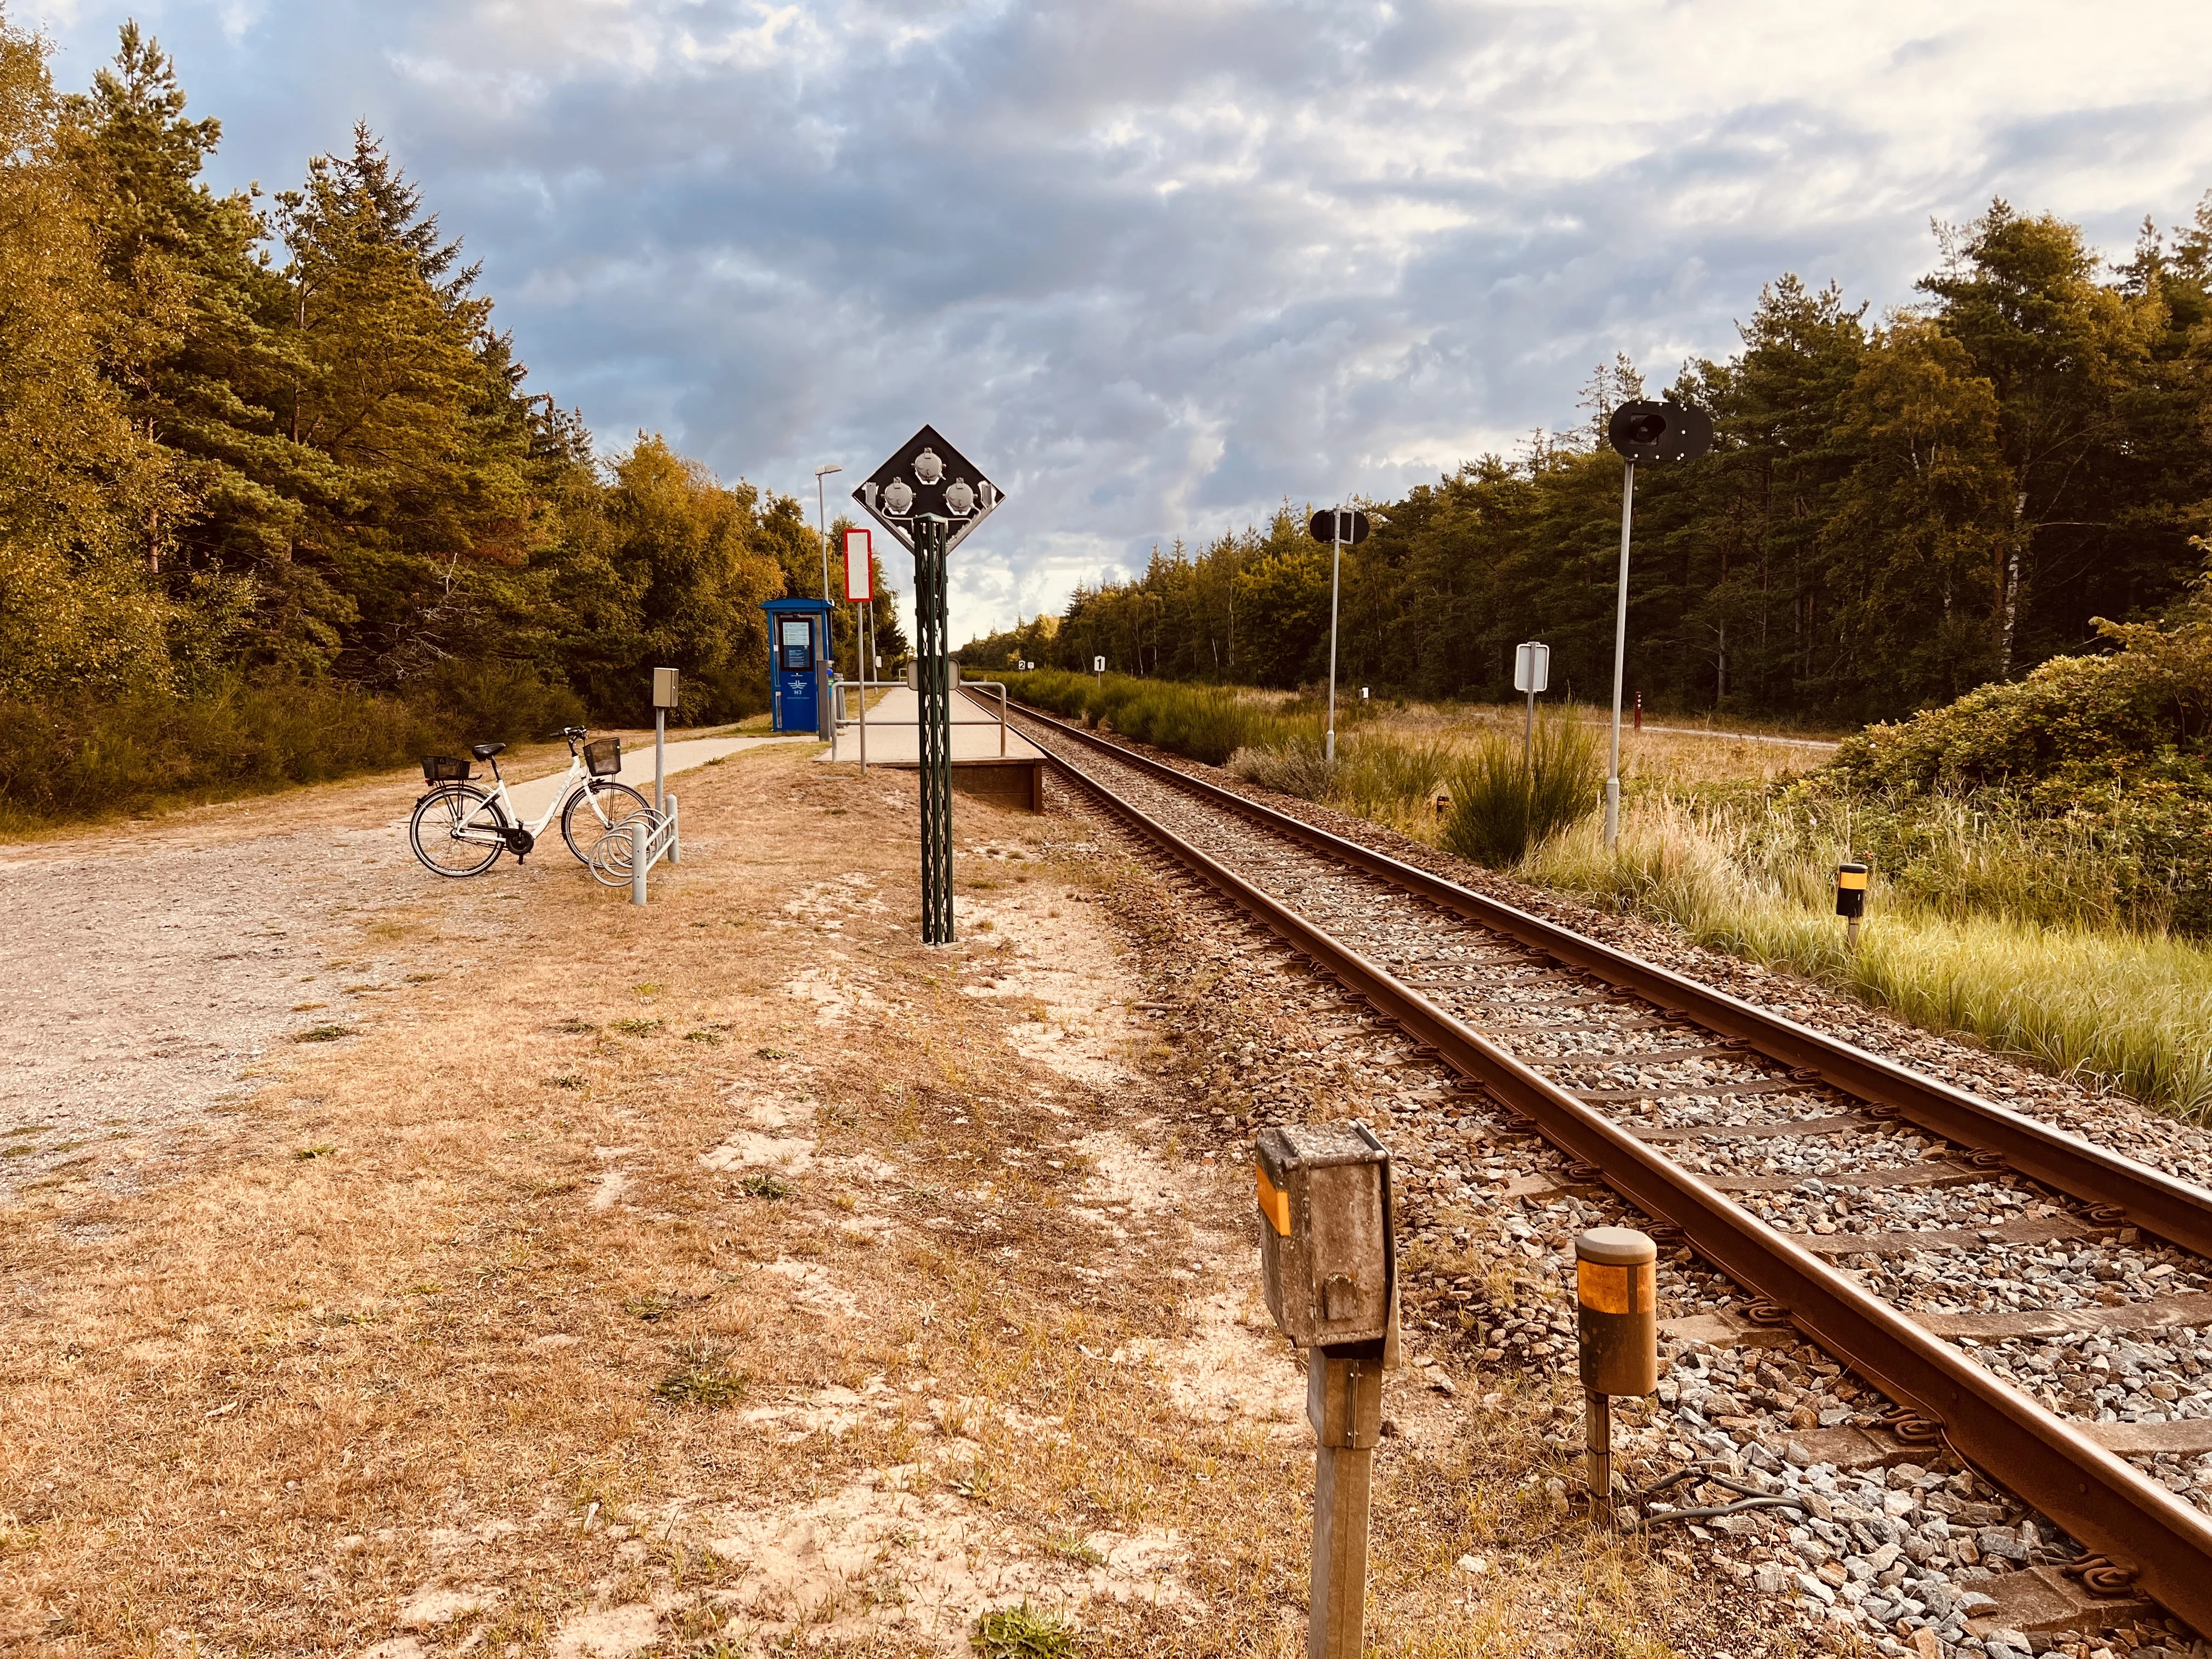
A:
(1851, 900)
(1617, 1332)
(1329, 1263)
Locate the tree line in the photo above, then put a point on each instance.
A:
(1893, 511)
(275, 447)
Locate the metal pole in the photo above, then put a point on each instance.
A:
(1335, 562)
(821, 525)
(931, 623)
(1597, 1445)
(674, 831)
(1619, 660)
(659, 754)
(639, 834)
(868, 630)
(1528, 740)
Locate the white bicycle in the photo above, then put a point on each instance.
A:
(461, 828)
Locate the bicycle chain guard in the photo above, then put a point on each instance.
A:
(520, 840)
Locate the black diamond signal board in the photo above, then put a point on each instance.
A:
(929, 475)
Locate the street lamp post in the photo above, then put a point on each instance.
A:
(822, 525)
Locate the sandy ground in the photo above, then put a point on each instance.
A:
(152, 967)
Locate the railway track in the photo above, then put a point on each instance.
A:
(1804, 1168)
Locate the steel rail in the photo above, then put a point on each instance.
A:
(2097, 1498)
(2121, 1189)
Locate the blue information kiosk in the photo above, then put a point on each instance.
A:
(798, 664)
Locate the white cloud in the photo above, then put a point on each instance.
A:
(1160, 263)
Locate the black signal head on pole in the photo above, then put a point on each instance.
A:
(1347, 525)
(928, 475)
(1647, 431)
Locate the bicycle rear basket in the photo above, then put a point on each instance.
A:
(445, 769)
(602, 757)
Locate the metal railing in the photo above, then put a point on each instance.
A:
(841, 719)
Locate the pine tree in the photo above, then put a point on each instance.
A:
(79, 486)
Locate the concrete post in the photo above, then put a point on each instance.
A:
(674, 831)
(641, 840)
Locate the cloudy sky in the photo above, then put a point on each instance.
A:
(1158, 264)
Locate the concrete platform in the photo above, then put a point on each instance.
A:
(894, 739)
(988, 762)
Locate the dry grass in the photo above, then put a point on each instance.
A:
(467, 1331)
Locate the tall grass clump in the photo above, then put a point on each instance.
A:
(1502, 804)
(1385, 779)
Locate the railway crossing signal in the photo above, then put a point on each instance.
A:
(930, 496)
(1642, 431)
(1341, 527)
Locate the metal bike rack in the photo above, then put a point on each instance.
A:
(628, 851)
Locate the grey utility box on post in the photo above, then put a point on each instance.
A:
(1326, 1255)
(664, 687)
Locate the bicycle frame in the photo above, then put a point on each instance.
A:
(561, 794)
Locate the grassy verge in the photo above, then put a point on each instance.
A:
(2129, 1008)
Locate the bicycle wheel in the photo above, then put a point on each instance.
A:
(593, 809)
(457, 830)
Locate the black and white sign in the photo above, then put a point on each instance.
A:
(1347, 525)
(929, 475)
(1532, 666)
(1648, 431)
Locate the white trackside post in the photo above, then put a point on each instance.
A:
(640, 844)
(674, 831)
(1619, 660)
(659, 753)
(1335, 563)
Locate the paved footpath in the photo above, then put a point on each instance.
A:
(148, 965)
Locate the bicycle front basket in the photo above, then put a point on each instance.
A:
(602, 757)
(445, 769)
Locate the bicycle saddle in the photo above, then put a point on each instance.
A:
(486, 750)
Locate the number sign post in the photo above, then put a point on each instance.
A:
(1532, 673)
(930, 497)
(1642, 431)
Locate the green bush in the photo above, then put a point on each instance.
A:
(63, 762)
(1207, 723)
(1502, 805)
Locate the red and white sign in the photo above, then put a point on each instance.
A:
(860, 578)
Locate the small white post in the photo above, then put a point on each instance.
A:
(674, 831)
(641, 845)
(659, 753)
(1619, 658)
